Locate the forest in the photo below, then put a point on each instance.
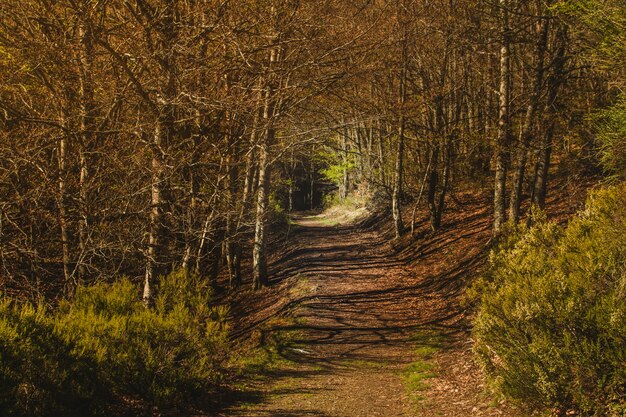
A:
(215, 207)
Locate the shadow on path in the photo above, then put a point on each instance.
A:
(364, 304)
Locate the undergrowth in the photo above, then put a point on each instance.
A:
(267, 349)
(105, 348)
(551, 326)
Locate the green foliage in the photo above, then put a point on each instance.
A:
(334, 173)
(601, 30)
(156, 354)
(336, 164)
(39, 376)
(551, 327)
(159, 356)
(611, 135)
(278, 217)
(601, 23)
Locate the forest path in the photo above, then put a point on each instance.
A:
(364, 314)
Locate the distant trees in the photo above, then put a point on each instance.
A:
(598, 29)
(459, 89)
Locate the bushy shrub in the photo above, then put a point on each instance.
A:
(551, 326)
(277, 216)
(39, 376)
(157, 354)
(105, 346)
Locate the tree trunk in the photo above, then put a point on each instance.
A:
(396, 195)
(163, 132)
(207, 233)
(232, 259)
(155, 255)
(419, 196)
(504, 129)
(433, 181)
(87, 127)
(543, 166)
(381, 155)
(555, 82)
(344, 186)
(259, 255)
(63, 220)
(396, 208)
(312, 183)
(444, 188)
(292, 181)
(529, 125)
(191, 240)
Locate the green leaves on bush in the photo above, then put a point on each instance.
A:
(551, 327)
(105, 347)
(39, 376)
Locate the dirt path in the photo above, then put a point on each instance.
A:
(365, 313)
(381, 330)
(354, 337)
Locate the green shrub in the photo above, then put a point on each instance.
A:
(39, 376)
(277, 216)
(159, 355)
(105, 347)
(551, 326)
(335, 164)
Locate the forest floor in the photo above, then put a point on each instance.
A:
(368, 326)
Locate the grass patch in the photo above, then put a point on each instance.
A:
(365, 364)
(428, 339)
(269, 347)
(338, 212)
(265, 350)
(329, 221)
(415, 374)
(323, 219)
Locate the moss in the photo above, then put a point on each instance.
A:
(416, 374)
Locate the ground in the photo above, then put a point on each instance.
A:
(369, 326)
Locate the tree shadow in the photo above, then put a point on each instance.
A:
(374, 317)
